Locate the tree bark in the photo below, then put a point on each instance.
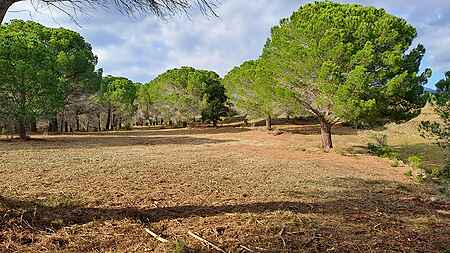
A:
(99, 115)
(33, 126)
(325, 129)
(22, 130)
(269, 123)
(4, 6)
(77, 122)
(108, 119)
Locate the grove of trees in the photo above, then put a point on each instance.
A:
(341, 63)
(184, 95)
(41, 70)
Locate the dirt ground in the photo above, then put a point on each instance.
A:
(243, 190)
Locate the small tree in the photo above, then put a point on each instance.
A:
(215, 102)
(348, 63)
(440, 130)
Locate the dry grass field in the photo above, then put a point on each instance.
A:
(243, 190)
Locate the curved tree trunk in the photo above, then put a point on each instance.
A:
(269, 123)
(325, 130)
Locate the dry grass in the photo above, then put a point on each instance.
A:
(231, 186)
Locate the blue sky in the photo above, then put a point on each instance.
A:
(142, 47)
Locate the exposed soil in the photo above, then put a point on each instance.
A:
(238, 188)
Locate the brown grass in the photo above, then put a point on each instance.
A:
(232, 186)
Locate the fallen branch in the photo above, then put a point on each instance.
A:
(207, 242)
(247, 249)
(157, 237)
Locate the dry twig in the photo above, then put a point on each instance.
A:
(157, 237)
(206, 241)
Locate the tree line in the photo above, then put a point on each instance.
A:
(340, 63)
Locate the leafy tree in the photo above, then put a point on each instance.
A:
(215, 102)
(74, 62)
(254, 91)
(119, 95)
(440, 130)
(348, 63)
(28, 76)
(158, 7)
(182, 94)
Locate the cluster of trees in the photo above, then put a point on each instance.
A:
(42, 70)
(337, 62)
(50, 73)
(182, 96)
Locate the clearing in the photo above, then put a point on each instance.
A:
(242, 189)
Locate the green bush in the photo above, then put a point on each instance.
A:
(379, 147)
(408, 173)
(415, 162)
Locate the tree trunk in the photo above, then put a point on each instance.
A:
(325, 129)
(269, 123)
(33, 126)
(4, 6)
(108, 119)
(99, 115)
(77, 122)
(22, 130)
(54, 124)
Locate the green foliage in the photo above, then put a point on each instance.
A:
(215, 101)
(380, 147)
(180, 246)
(39, 67)
(408, 173)
(184, 94)
(119, 95)
(415, 161)
(440, 130)
(346, 62)
(255, 92)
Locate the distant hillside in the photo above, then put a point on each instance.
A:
(412, 126)
(430, 90)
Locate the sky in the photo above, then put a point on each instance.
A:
(140, 48)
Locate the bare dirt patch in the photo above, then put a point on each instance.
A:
(237, 188)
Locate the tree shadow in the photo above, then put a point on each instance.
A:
(314, 129)
(168, 132)
(368, 196)
(101, 141)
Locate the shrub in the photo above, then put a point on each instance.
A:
(395, 163)
(180, 246)
(379, 147)
(408, 173)
(415, 162)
